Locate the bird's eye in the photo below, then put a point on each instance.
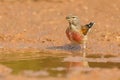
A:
(73, 17)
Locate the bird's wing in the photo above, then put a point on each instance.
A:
(84, 29)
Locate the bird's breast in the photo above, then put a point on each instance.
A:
(74, 36)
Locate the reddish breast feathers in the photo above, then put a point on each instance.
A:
(74, 36)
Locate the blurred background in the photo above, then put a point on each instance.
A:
(39, 26)
(41, 23)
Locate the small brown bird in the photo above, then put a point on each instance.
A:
(75, 32)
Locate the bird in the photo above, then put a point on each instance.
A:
(76, 32)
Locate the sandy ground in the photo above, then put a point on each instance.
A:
(39, 26)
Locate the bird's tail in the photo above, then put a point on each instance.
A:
(85, 29)
(90, 24)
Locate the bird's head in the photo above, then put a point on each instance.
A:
(74, 20)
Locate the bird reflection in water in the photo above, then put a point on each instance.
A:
(76, 66)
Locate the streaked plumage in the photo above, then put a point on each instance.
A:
(75, 32)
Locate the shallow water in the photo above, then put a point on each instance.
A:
(46, 66)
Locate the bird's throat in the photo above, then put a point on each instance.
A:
(73, 27)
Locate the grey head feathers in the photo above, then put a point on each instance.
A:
(73, 20)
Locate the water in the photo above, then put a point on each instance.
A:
(59, 66)
(47, 64)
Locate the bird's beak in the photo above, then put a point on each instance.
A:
(67, 18)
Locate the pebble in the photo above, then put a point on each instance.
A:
(36, 73)
(118, 38)
(0, 17)
(4, 70)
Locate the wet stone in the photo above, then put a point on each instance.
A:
(4, 70)
(35, 73)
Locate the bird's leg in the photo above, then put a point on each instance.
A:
(84, 46)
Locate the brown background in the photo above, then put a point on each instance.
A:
(39, 24)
